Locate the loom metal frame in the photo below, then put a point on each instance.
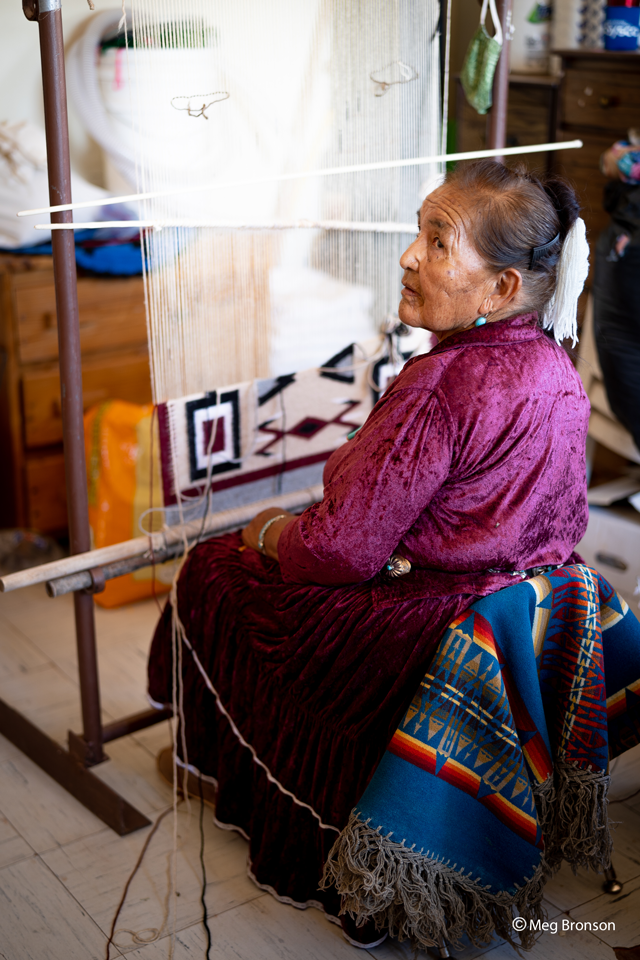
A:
(70, 768)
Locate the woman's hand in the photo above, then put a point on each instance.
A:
(251, 533)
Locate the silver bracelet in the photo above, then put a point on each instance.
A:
(261, 535)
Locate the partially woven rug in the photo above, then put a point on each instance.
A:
(498, 770)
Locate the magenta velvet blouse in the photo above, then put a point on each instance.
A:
(471, 466)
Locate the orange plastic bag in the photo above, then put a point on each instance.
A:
(123, 484)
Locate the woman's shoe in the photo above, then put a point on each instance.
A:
(195, 786)
(364, 937)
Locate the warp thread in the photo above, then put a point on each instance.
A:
(136, 935)
(177, 703)
(209, 291)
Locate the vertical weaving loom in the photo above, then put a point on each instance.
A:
(360, 84)
(220, 92)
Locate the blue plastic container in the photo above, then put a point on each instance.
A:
(622, 28)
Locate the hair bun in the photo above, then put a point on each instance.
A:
(565, 202)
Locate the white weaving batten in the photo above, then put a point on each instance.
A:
(301, 96)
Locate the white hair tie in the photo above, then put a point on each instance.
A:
(561, 312)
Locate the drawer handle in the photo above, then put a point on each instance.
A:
(606, 102)
(610, 560)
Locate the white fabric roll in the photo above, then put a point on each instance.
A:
(84, 90)
(24, 185)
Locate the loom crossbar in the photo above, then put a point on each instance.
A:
(496, 118)
(167, 542)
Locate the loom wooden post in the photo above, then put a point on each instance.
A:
(497, 120)
(49, 15)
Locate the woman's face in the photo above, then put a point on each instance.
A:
(446, 283)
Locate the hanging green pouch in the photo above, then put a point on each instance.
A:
(481, 60)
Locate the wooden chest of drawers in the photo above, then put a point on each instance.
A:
(599, 102)
(114, 365)
(531, 118)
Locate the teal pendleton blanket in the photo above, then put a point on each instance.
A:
(498, 770)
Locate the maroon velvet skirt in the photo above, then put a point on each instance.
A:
(291, 694)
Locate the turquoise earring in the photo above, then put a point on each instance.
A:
(480, 322)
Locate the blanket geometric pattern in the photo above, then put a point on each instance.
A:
(530, 692)
(469, 725)
(242, 434)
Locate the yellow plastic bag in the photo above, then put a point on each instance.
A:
(123, 484)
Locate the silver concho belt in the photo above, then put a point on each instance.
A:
(396, 566)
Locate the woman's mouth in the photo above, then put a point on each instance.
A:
(409, 292)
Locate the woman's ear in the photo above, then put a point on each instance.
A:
(508, 287)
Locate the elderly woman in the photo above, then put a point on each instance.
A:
(469, 469)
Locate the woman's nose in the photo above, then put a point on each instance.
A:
(410, 258)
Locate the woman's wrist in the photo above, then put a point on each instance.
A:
(263, 533)
(272, 536)
(265, 528)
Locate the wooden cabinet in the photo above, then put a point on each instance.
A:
(115, 364)
(109, 376)
(531, 118)
(599, 102)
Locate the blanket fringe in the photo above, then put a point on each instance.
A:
(418, 897)
(572, 812)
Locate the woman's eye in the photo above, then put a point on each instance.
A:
(438, 243)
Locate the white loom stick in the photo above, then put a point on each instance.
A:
(327, 172)
(351, 226)
(230, 519)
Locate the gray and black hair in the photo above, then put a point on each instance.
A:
(513, 212)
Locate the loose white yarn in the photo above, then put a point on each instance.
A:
(573, 267)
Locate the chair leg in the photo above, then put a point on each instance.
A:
(611, 883)
(442, 948)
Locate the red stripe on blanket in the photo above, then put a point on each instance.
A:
(617, 703)
(413, 751)
(460, 777)
(421, 755)
(538, 758)
(519, 822)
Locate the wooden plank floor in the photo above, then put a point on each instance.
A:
(62, 871)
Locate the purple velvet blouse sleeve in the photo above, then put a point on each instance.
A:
(376, 487)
